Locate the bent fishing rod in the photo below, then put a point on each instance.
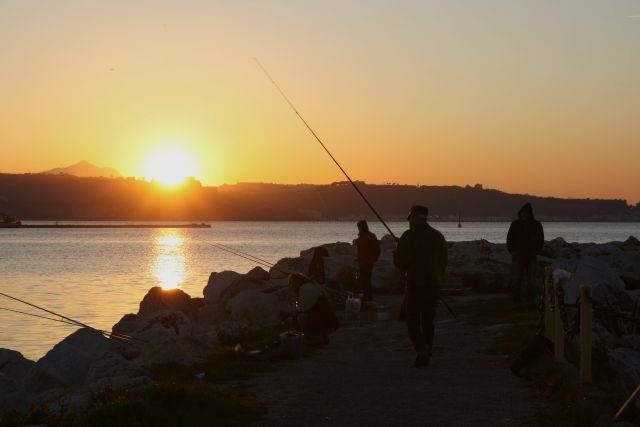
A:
(355, 187)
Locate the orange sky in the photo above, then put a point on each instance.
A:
(537, 97)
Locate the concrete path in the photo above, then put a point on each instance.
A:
(365, 377)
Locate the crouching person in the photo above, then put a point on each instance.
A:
(314, 316)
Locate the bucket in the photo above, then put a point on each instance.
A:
(291, 344)
(383, 312)
(352, 308)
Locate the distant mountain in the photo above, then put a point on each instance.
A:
(85, 169)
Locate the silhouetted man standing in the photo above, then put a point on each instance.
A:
(422, 255)
(368, 253)
(524, 241)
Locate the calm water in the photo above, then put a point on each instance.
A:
(98, 275)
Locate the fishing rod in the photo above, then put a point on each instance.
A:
(70, 320)
(355, 187)
(118, 336)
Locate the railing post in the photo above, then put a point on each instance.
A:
(586, 375)
(558, 325)
(548, 318)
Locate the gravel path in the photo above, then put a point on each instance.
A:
(365, 377)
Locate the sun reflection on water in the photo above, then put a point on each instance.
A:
(169, 258)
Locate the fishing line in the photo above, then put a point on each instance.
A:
(118, 336)
(77, 323)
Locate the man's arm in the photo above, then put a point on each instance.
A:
(402, 256)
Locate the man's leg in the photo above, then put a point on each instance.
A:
(430, 304)
(517, 273)
(529, 274)
(365, 278)
(414, 311)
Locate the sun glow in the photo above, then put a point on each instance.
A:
(169, 266)
(170, 167)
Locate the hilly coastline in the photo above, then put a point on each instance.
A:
(66, 197)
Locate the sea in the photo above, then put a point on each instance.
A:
(97, 275)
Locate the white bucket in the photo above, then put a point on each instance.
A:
(352, 308)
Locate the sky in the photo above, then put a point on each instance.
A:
(538, 97)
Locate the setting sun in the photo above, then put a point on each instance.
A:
(170, 167)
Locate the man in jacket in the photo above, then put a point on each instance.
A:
(368, 253)
(524, 241)
(422, 255)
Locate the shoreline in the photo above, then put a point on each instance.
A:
(192, 225)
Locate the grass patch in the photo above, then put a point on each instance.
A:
(520, 322)
(571, 404)
(200, 394)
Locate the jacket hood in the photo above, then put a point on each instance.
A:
(526, 208)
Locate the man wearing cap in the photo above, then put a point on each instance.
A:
(422, 255)
(368, 253)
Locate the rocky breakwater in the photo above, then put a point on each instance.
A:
(173, 327)
(169, 327)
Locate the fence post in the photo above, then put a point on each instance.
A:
(548, 316)
(585, 334)
(558, 325)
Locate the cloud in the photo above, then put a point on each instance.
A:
(633, 17)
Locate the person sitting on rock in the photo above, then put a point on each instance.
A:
(314, 316)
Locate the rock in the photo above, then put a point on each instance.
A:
(258, 273)
(631, 242)
(14, 371)
(627, 363)
(338, 248)
(630, 341)
(593, 272)
(68, 363)
(602, 337)
(217, 284)
(14, 365)
(286, 266)
(173, 337)
(386, 276)
(158, 299)
(559, 248)
(238, 286)
(255, 309)
(112, 371)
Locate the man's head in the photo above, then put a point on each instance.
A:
(363, 226)
(526, 212)
(418, 215)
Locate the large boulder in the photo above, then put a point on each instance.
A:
(217, 284)
(627, 363)
(338, 248)
(255, 309)
(386, 276)
(14, 371)
(169, 336)
(593, 272)
(560, 248)
(258, 273)
(14, 365)
(286, 266)
(158, 299)
(479, 264)
(68, 363)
